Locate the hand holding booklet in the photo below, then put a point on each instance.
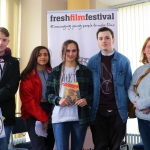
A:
(38, 129)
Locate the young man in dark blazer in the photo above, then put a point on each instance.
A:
(9, 81)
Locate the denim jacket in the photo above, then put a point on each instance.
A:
(122, 75)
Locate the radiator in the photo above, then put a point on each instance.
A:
(133, 139)
(130, 138)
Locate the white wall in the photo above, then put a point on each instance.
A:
(34, 25)
(100, 5)
(30, 29)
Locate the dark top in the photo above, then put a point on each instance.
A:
(8, 87)
(107, 101)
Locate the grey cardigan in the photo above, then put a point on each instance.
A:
(143, 100)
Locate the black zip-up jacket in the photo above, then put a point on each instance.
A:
(8, 87)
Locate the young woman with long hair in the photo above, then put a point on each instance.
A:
(32, 93)
(67, 117)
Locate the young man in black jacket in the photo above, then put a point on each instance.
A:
(9, 81)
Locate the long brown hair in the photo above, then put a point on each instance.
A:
(64, 48)
(63, 55)
(32, 64)
(144, 59)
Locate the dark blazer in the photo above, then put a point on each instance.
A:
(8, 87)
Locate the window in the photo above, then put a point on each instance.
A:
(133, 29)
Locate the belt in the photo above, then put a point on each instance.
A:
(43, 100)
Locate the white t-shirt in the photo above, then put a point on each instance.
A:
(1, 66)
(67, 113)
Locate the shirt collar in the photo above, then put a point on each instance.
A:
(107, 54)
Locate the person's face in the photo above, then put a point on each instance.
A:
(105, 42)
(3, 43)
(147, 51)
(42, 58)
(71, 53)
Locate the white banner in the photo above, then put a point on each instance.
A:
(2, 131)
(80, 26)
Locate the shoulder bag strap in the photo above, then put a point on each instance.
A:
(139, 80)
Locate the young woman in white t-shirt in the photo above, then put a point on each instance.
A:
(70, 118)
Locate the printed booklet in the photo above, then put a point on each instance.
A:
(71, 92)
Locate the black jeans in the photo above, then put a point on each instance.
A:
(40, 143)
(108, 130)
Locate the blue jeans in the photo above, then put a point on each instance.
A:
(144, 128)
(62, 132)
(5, 141)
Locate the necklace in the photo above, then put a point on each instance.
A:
(105, 82)
(45, 78)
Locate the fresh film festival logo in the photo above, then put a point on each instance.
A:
(77, 17)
